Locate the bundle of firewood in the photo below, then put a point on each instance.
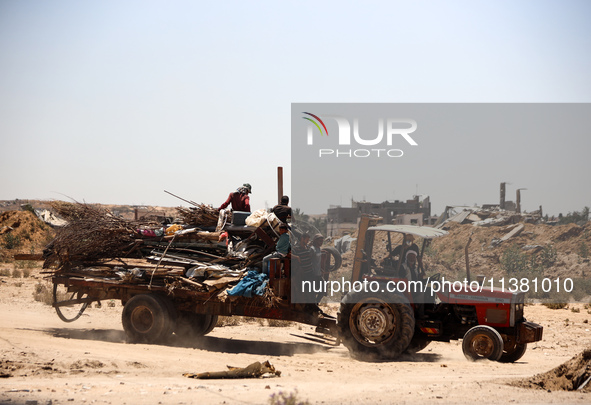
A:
(200, 215)
(69, 211)
(92, 234)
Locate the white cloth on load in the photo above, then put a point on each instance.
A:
(212, 271)
(257, 218)
(263, 218)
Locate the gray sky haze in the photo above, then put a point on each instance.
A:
(114, 101)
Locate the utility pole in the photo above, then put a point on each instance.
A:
(518, 200)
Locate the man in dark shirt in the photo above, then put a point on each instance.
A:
(239, 199)
(282, 210)
(407, 244)
(400, 252)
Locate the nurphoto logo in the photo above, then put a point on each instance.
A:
(394, 128)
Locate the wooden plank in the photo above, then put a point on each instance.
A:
(25, 256)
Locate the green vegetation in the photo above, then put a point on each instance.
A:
(282, 398)
(513, 260)
(43, 293)
(11, 241)
(516, 262)
(555, 305)
(575, 217)
(583, 250)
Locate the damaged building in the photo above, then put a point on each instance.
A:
(503, 213)
(416, 211)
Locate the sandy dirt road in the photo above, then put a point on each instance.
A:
(47, 361)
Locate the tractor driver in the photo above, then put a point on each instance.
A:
(410, 271)
(401, 250)
(410, 268)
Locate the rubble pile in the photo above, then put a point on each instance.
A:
(570, 243)
(573, 375)
(478, 216)
(22, 232)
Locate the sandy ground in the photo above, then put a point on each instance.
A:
(47, 361)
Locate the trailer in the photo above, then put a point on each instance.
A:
(179, 283)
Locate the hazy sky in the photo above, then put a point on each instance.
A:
(115, 101)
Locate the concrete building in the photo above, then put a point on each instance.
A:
(340, 218)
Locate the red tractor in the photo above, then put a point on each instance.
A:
(394, 315)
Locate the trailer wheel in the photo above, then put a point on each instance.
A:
(376, 325)
(513, 352)
(190, 324)
(146, 318)
(334, 259)
(67, 305)
(482, 342)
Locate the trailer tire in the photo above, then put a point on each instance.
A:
(147, 318)
(335, 260)
(376, 326)
(75, 312)
(482, 342)
(190, 324)
(513, 352)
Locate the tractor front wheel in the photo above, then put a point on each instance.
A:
(482, 342)
(513, 351)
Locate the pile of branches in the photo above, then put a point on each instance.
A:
(69, 211)
(92, 234)
(200, 215)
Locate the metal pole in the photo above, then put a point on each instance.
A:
(279, 184)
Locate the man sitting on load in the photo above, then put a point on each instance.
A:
(282, 248)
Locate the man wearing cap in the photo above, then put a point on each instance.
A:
(407, 244)
(401, 251)
(239, 199)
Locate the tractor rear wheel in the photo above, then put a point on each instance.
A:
(379, 326)
(147, 318)
(482, 342)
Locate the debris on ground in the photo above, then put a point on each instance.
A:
(479, 216)
(254, 370)
(574, 375)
